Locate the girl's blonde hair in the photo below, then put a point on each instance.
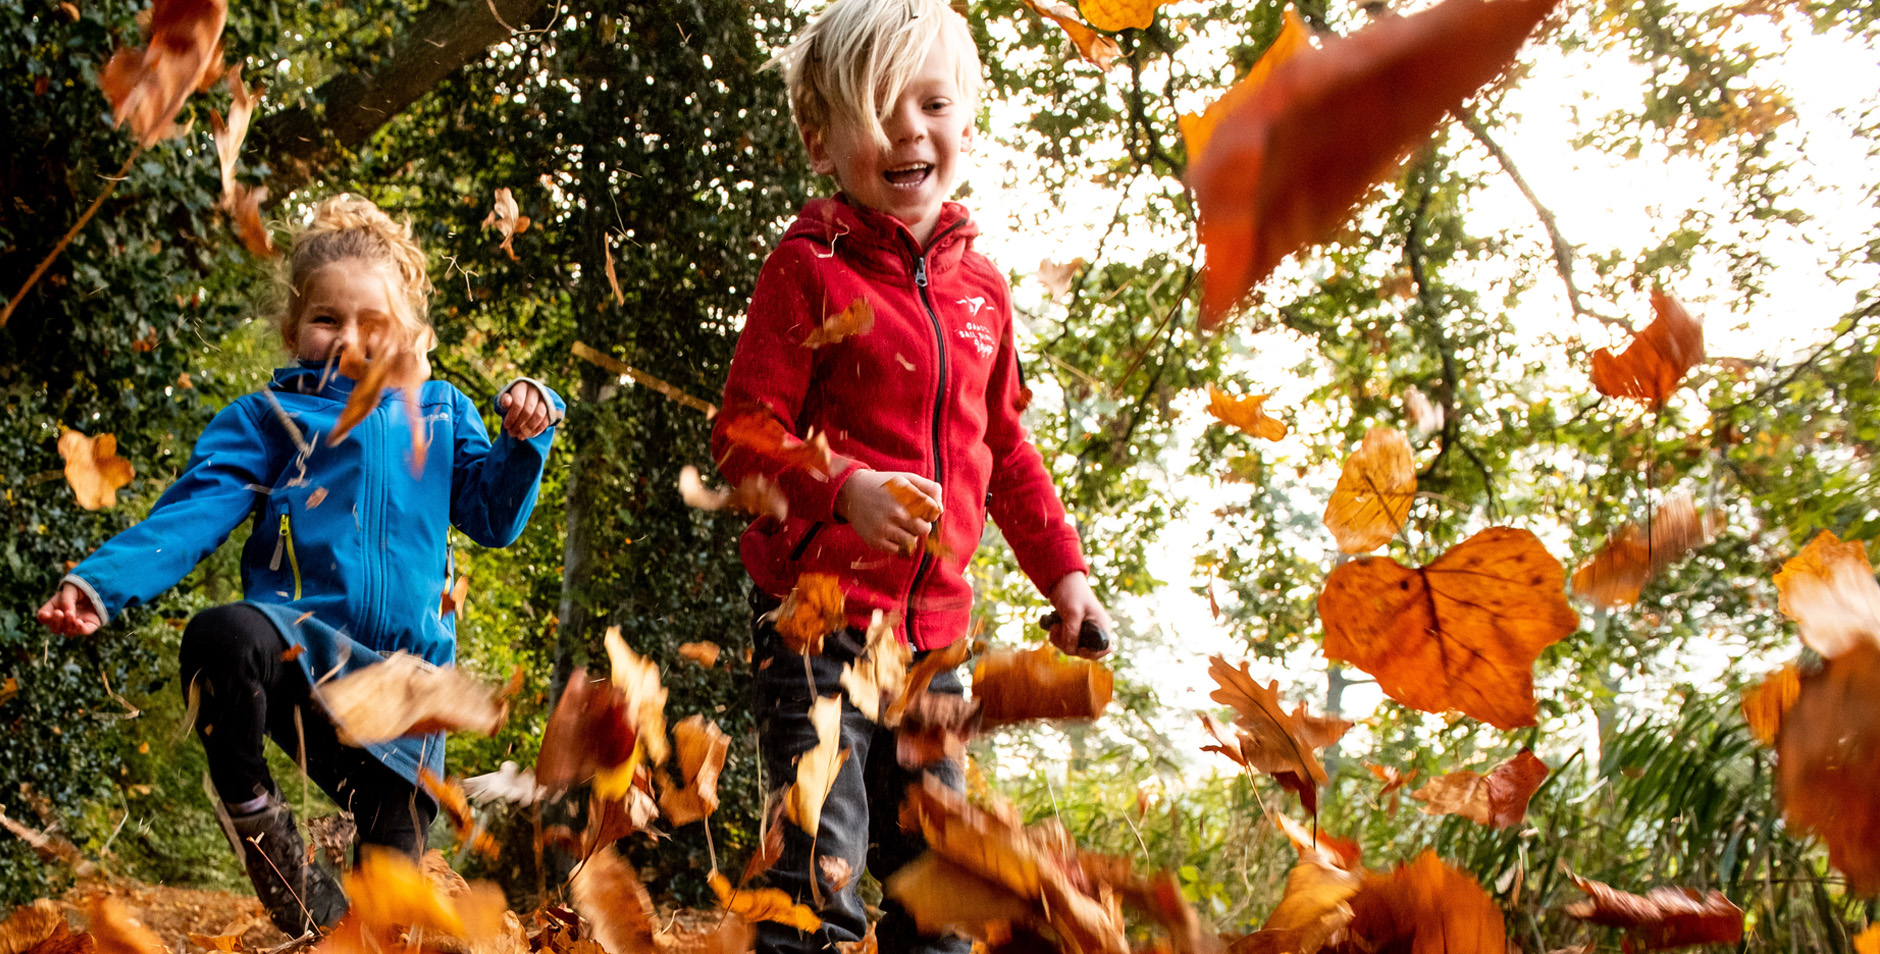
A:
(345, 228)
(853, 60)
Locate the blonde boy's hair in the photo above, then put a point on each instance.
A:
(349, 228)
(851, 63)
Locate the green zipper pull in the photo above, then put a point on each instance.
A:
(287, 543)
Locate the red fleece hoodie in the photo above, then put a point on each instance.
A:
(932, 389)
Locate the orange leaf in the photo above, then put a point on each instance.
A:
(1826, 750)
(93, 469)
(244, 207)
(453, 599)
(1869, 940)
(405, 695)
(389, 891)
(451, 800)
(1662, 918)
(115, 931)
(1372, 499)
(1461, 633)
(1498, 799)
(1392, 778)
(29, 924)
(613, 277)
(1285, 168)
(228, 136)
(1631, 557)
(1765, 704)
(758, 495)
(817, 768)
(612, 899)
(702, 749)
(880, 673)
(1652, 365)
(588, 732)
(1270, 739)
(1829, 591)
(768, 904)
(1096, 49)
(917, 504)
(1245, 413)
(1041, 683)
(934, 727)
(148, 86)
(1113, 15)
(1292, 40)
(638, 679)
(1425, 906)
(703, 653)
(943, 896)
(918, 678)
(1318, 847)
(508, 219)
(759, 432)
(857, 319)
(813, 610)
(1315, 906)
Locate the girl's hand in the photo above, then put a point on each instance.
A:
(525, 411)
(70, 613)
(1074, 602)
(891, 510)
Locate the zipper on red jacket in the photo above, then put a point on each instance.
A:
(939, 408)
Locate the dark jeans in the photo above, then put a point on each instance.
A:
(247, 692)
(860, 818)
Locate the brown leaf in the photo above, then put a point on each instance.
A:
(1829, 591)
(244, 208)
(1198, 130)
(934, 728)
(1096, 49)
(1461, 633)
(148, 86)
(770, 845)
(612, 899)
(1374, 492)
(1826, 749)
(1269, 739)
(1498, 799)
(835, 872)
(702, 750)
(452, 600)
(1631, 557)
(1056, 277)
(1392, 778)
(228, 135)
(703, 653)
(613, 277)
(1649, 369)
(588, 732)
(813, 610)
(508, 219)
(1766, 703)
(917, 504)
(455, 806)
(638, 679)
(816, 769)
(767, 904)
(1285, 168)
(934, 663)
(1040, 683)
(93, 469)
(756, 495)
(1316, 846)
(28, 925)
(1245, 413)
(1425, 906)
(115, 931)
(880, 673)
(943, 896)
(388, 359)
(857, 319)
(405, 695)
(1662, 918)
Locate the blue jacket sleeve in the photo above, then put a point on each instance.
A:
(493, 486)
(231, 468)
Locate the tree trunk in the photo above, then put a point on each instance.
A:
(573, 617)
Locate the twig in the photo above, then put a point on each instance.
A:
(46, 263)
(617, 366)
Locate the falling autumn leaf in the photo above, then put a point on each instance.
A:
(1198, 129)
(703, 653)
(244, 207)
(757, 431)
(1111, 16)
(638, 680)
(857, 319)
(813, 610)
(835, 872)
(1498, 799)
(1056, 277)
(816, 769)
(115, 931)
(93, 469)
(1425, 416)
(147, 86)
(1826, 750)
(935, 727)
(1268, 738)
(702, 748)
(767, 904)
(915, 685)
(943, 896)
(1829, 591)
(1869, 940)
(1394, 780)
(455, 806)
(1314, 908)
(1425, 905)
(1630, 558)
(405, 695)
(1649, 369)
(1040, 683)
(1096, 49)
(1374, 492)
(611, 898)
(756, 495)
(452, 600)
(508, 219)
(1285, 168)
(28, 925)
(1766, 703)
(390, 892)
(587, 733)
(613, 277)
(1245, 413)
(879, 674)
(1461, 633)
(228, 135)
(1662, 918)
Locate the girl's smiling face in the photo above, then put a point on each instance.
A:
(344, 311)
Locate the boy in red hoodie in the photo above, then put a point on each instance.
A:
(921, 413)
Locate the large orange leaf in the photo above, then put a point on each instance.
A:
(1425, 906)
(1631, 557)
(1650, 368)
(1374, 492)
(1868, 942)
(756, 495)
(93, 469)
(610, 896)
(1461, 633)
(1040, 683)
(757, 430)
(813, 610)
(29, 924)
(1285, 168)
(1829, 591)
(148, 86)
(1270, 739)
(1245, 413)
(1765, 703)
(1198, 129)
(1498, 799)
(702, 750)
(1826, 752)
(1661, 918)
(943, 896)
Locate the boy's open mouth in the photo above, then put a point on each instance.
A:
(914, 173)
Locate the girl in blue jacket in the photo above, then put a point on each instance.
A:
(348, 556)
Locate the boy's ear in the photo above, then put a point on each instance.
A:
(969, 137)
(819, 159)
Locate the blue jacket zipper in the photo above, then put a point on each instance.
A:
(939, 409)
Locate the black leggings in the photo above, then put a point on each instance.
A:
(247, 692)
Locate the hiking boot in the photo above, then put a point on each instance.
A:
(298, 894)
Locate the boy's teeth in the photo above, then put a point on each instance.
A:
(908, 174)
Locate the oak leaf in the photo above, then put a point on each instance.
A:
(1040, 683)
(114, 930)
(766, 904)
(857, 319)
(405, 695)
(879, 675)
(1631, 557)
(1461, 633)
(611, 898)
(148, 86)
(93, 469)
(1765, 703)
(817, 768)
(704, 653)
(1198, 129)
(1285, 168)
(1498, 799)
(756, 495)
(1651, 367)
(1374, 492)
(1270, 739)
(1661, 918)
(1826, 750)
(813, 610)
(702, 749)
(1829, 591)
(508, 219)
(1245, 413)
(1098, 50)
(1425, 906)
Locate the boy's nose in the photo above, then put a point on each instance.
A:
(902, 125)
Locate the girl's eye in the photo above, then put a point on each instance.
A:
(321, 319)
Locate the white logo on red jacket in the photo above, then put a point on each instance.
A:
(975, 303)
(979, 336)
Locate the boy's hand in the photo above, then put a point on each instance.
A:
(525, 411)
(1074, 602)
(890, 510)
(70, 613)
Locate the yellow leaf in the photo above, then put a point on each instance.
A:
(767, 904)
(1113, 15)
(816, 769)
(1372, 499)
(702, 749)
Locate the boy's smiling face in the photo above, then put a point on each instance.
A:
(929, 129)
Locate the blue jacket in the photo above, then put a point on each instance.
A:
(347, 533)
